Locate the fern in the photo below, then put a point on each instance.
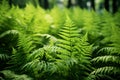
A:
(115, 37)
(76, 48)
(107, 70)
(7, 74)
(109, 58)
(67, 34)
(106, 55)
(61, 59)
(9, 32)
(21, 52)
(107, 64)
(44, 61)
(41, 40)
(8, 40)
(57, 20)
(41, 46)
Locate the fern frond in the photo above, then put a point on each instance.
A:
(25, 47)
(43, 39)
(25, 43)
(115, 37)
(45, 60)
(107, 70)
(13, 32)
(98, 77)
(4, 57)
(8, 39)
(12, 76)
(68, 34)
(75, 47)
(107, 50)
(108, 58)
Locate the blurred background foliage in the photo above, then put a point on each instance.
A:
(97, 5)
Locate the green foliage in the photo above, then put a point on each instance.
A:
(24, 48)
(58, 44)
(75, 46)
(10, 75)
(58, 60)
(7, 39)
(108, 61)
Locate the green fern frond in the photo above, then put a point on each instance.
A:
(10, 75)
(8, 39)
(41, 40)
(4, 57)
(98, 77)
(13, 32)
(45, 60)
(108, 58)
(25, 43)
(115, 37)
(25, 47)
(68, 34)
(75, 47)
(107, 70)
(107, 51)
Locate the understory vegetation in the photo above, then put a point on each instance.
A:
(58, 44)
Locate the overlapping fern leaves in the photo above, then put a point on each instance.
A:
(108, 61)
(20, 53)
(68, 58)
(10, 75)
(30, 42)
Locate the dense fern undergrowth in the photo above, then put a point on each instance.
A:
(58, 44)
